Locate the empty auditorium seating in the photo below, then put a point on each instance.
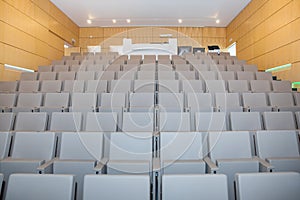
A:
(256, 102)
(245, 121)
(28, 102)
(66, 121)
(7, 121)
(211, 121)
(279, 120)
(138, 121)
(103, 121)
(7, 101)
(28, 121)
(283, 102)
(8, 86)
(174, 121)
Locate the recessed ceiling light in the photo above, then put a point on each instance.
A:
(114, 21)
(179, 21)
(89, 21)
(217, 21)
(128, 21)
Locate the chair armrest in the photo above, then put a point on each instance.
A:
(100, 167)
(47, 167)
(264, 166)
(211, 166)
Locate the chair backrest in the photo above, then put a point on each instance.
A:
(120, 86)
(213, 86)
(173, 101)
(4, 145)
(245, 121)
(199, 100)
(85, 75)
(8, 86)
(282, 86)
(254, 99)
(112, 100)
(83, 100)
(211, 121)
(30, 100)
(247, 76)
(81, 146)
(238, 86)
(207, 75)
(234, 67)
(192, 86)
(60, 68)
(44, 68)
(264, 76)
(226, 75)
(141, 100)
(260, 86)
(28, 76)
(66, 76)
(63, 121)
(279, 121)
(51, 86)
(229, 145)
(126, 75)
(56, 100)
(169, 86)
(29, 86)
(186, 75)
(138, 121)
(146, 75)
(41, 187)
(297, 98)
(130, 146)
(104, 121)
(31, 121)
(32, 145)
(96, 86)
(191, 187)
(277, 144)
(7, 100)
(227, 100)
(281, 99)
(144, 85)
(7, 121)
(250, 68)
(166, 75)
(131, 187)
(275, 186)
(73, 86)
(175, 121)
(43, 76)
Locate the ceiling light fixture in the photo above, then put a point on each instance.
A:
(128, 21)
(114, 21)
(179, 21)
(89, 21)
(217, 21)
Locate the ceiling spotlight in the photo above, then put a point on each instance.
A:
(114, 21)
(89, 21)
(217, 21)
(179, 21)
(128, 21)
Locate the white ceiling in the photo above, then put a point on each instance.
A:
(195, 13)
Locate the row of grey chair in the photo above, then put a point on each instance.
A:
(250, 186)
(169, 86)
(180, 153)
(118, 120)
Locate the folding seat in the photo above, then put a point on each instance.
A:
(45, 68)
(66, 121)
(7, 121)
(55, 102)
(143, 102)
(168, 86)
(105, 75)
(171, 102)
(183, 67)
(73, 86)
(101, 122)
(256, 102)
(97, 86)
(131, 67)
(192, 86)
(260, 186)
(144, 86)
(186, 75)
(146, 75)
(248, 76)
(89, 62)
(51, 86)
(58, 62)
(200, 67)
(228, 102)
(192, 187)
(130, 153)
(76, 68)
(281, 86)
(165, 75)
(94, 68)
(29, 151)
(87, 75)
(202, 102)
(60, 68)
(214, 86)
(112, 67)
(260, 86)
(182, 152)
(279, 148)
(40, 187)
(174, 121)
(211, 121)
(225, 62)
(148, 67)
(79, 153)
(28, 121)
(233, 152)
(283, 102)
(279, 121)
(8, 86)
(47, 76)
(240, 86)
(28, 102)
(218, 67)
(83, 102)
(234, 68)
(131, 187)
(138, 121)
(120, 86)
(245, 121)
(264, 76)
(250, 68)
(28, 76)
(29, 86)
(66, 76)
(207, 75)
(7, 102)
(5, 139)
(226, 75)
(72, 62)
(239, 62)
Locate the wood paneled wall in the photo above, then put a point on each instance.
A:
(267, 34)
(187, 36)
(32, 33)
